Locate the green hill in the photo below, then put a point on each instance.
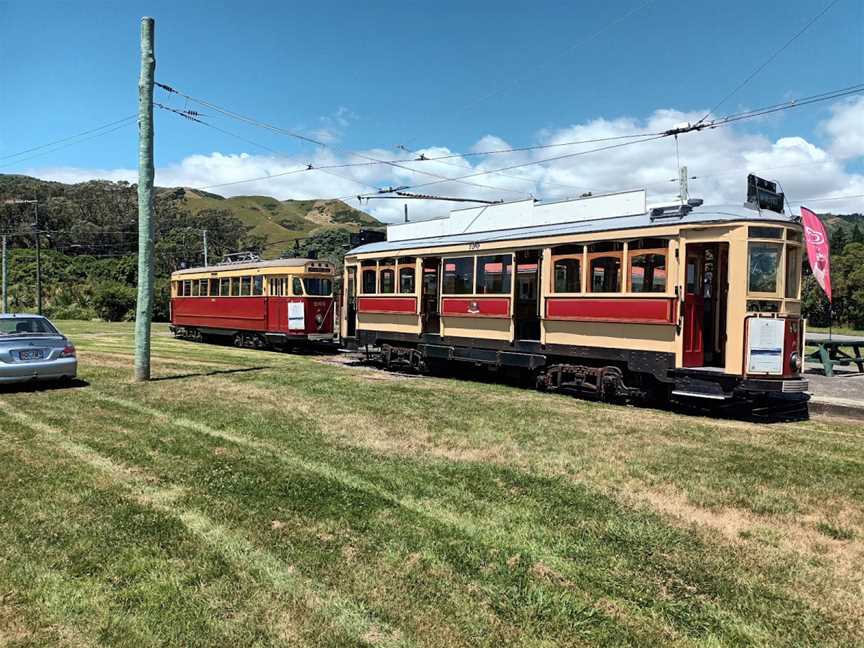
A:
(281, 220)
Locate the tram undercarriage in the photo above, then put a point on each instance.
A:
(607, 375)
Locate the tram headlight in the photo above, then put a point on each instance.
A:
(795, 361)
(319, 318)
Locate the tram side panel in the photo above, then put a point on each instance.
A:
(226, 313)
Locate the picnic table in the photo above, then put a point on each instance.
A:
(829, 351)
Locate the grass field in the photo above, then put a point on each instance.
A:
(248, 498)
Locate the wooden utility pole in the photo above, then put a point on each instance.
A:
(38, 258)
(144, 309)
(5, 285)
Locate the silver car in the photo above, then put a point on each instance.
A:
(32, 349)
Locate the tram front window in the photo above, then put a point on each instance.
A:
(764, 259)
(318, 286)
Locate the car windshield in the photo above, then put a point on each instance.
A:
(26, 326)
(317, 286)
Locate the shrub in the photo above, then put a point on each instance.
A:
(113, 301)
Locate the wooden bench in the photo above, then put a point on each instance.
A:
(829, 351)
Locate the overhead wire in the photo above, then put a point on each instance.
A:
(768, 61)
(66, 139)
(126, 122)
(675, 131)
(317, 142)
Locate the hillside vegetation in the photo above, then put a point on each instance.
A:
(279, 220)
(89, 239)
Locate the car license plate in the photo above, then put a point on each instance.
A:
(30, 355)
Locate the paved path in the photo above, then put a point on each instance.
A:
(843, 393)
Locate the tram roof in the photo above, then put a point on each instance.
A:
(250, 265)
(698, 215)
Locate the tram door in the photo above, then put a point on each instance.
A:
(429, 314)
(694, 309)
(705, 294)
(351, 302)
(526, 310)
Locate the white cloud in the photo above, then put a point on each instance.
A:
(719, 158)
(845, 128)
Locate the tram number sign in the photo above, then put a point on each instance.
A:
(474, 246)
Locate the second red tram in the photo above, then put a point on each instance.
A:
(276, 303)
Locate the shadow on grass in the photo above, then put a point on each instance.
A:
(42, 386)
(777, 408)
(204, 374)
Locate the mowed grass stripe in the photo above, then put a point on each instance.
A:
(534, 473)
(342, 614)
(446, 517)
(495, 518)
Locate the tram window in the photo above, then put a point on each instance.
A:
(297, 287)
(214, 287)
(765, 232)
(245, 286)
(257, 286)
(648, 273)
(369, 281)
(793, 271)
(406, 281)
(279, 287)
(196, 289)
(568, 276)
(763, 260)
(388, 280)
(458, 276)
(225, 287)
(318, 286)
(793, 235)
(235, 286)
(494, 274)
(606, 274)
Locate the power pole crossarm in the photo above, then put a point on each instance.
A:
(144, 309)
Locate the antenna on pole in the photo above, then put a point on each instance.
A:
(144, 307)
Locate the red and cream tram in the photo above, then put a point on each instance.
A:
(276, 303)
(598, 295)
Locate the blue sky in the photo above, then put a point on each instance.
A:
(369, 76)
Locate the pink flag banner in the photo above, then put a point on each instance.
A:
(818, 252)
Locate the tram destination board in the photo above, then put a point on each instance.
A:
(764, 193)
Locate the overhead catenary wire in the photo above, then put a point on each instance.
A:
(196, 117)
(768, 61)
(124, 124)
(317, 142)
(70, 137)
(671, 132)
(634, 137)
